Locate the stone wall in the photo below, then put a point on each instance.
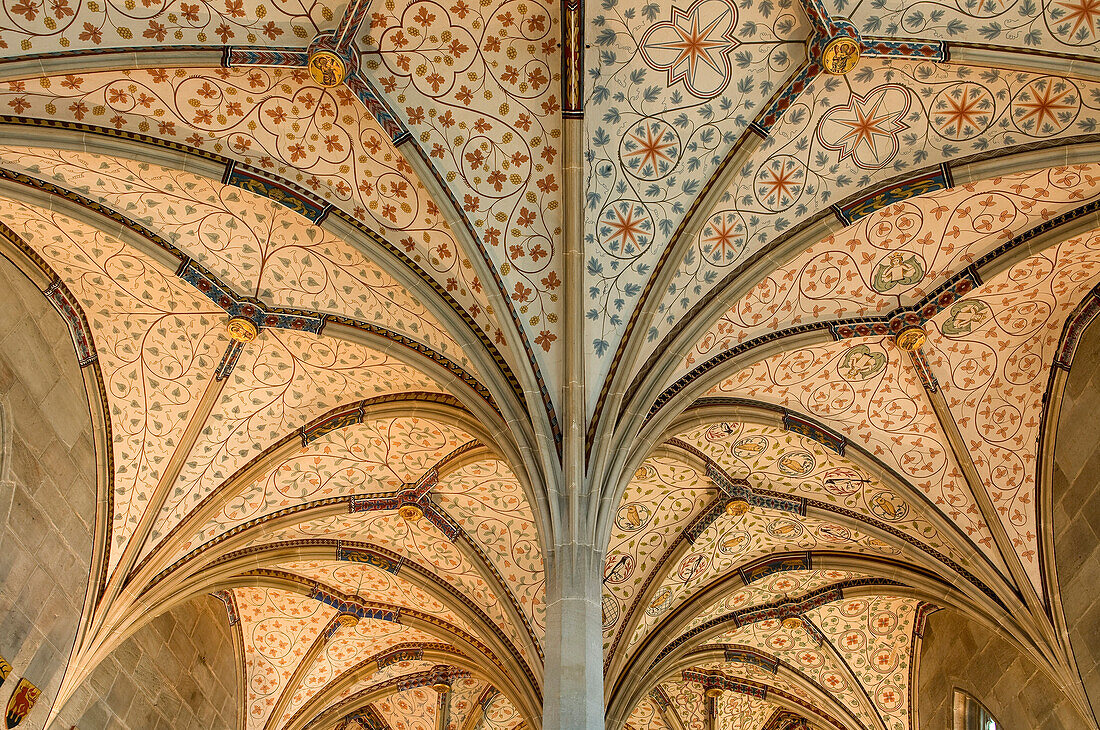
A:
(177, 673)
(47, 490)
(1076, 499)
(960, 653)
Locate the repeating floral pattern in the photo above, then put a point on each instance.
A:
(646, 715)
(278, 628)
(345, 649)
(465, 693)
(282, 381)
(992, 352)
(37, 26)
(277, 121)
(501, 715)
(788, 584)
(671, 89)
(413, 709)
(862, 389)
(897, 255)
(388, 672)
(882, 120)
(875, 638)
(799, 649)
(258, 247)
(753, 673)
(479, 86)
(375, 584)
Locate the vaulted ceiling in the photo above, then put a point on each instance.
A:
(335, 271)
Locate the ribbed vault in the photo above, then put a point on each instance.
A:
(406, 324)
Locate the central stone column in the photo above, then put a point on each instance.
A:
(573, 694)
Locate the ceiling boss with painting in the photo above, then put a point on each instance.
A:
(527, 364)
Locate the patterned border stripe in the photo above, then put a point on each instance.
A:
(399, 654)
(924, 371)
(354, 608)
(281, 193)
(770, 566)
(805, 427)
(740, 618)
(62, 300)
(369, 557)
(250, 309)
(914, 49)
(285, 57)
(660, 698)
(786, 720)
(226, 597)
(748, 655)
(928, 307)
(924, 610)
(1075, 327)
(371, 234)
(376, 106)
(711, 678)
(228, 361)
(929, 182)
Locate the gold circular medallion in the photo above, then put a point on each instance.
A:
(441, 686)
(327, 68)
(348, 620)
(242, 330)
(737, 507)
(792, 622)
(840, 55)
(911, 338)
(410, 512)
(714, 692)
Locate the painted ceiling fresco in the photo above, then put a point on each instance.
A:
(327, 268)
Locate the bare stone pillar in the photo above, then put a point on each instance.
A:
(574, 640)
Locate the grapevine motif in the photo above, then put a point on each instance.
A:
(491, 125)
(42, 25)
(277, 121)
(263, 248)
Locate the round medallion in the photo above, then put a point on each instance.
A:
(348, 620)
(792, 622)
(441, 686)
(714, 692)
(737, 507)
(242, 330)
(911, 338)
(327, 68)
(410, 512)
(840, 55)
